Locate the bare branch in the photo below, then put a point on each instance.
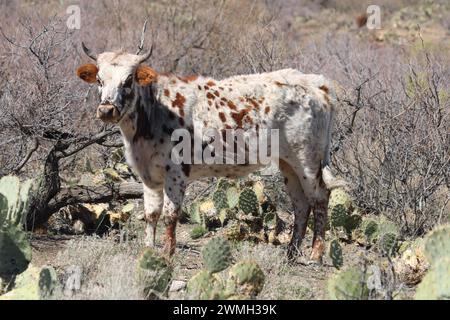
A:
(27, 157)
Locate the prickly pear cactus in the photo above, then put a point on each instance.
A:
(258, 187)
(352, 222)
(342, 213)
(217, 255)
(204, 286)
(245, 278)
(236, 231)
(437, 244)
(338, 216)
(370, 229)
(203, 212)
(387, 243)
(223, 184)
(226, 215)
(348, 284)
(48, 282)
(248, 202)
(339, 196)
(15, 250)
(232, 197)
(26, 286)
(153, 273)
(436, 285)
(220, 199)
(340, 204)
(336, 254)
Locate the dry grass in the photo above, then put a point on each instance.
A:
(108, 268)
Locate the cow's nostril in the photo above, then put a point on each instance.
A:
(106, 111)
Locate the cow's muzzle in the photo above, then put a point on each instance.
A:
(108, 113)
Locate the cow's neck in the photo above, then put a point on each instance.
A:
(140, 122)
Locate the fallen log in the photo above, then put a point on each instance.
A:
(95, 194)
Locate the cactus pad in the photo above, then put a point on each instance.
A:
(246, 278)
(153, 272)
(248, 202)
(232, 197)
(236, 231)
(204, 286)
(437, 243)
(336, 254)
(436, 285)
(348, 284)
(220, 200)
(48, 282)
(217, 255)
(387, 243)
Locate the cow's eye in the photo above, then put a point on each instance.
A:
(128, 82)
(99, 82)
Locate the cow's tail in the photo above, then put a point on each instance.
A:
(331, 182)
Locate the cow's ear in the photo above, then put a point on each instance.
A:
(145, 75)
(87, 72)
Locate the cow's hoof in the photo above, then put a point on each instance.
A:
(293, 252)
(315, 260)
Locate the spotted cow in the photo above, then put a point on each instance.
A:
(148, 106)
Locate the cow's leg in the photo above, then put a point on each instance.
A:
(316, 197)
(152, 210)
(301, 207)
(174, 188)
(318, 194)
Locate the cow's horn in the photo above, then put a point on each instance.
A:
(88, 52)
(146, 55)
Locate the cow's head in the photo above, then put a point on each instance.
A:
(117, 75)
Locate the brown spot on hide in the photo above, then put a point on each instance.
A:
(279, 84)
(179, 101)
(222, 116)
(231, 105)
(211, 83)
(238, 116)
(267, 110)
(189, 78)
(166, 92)
(324, 89)
(210, 96)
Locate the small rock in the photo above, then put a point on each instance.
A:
(79, 227)
(73, 277)
(177, 285)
